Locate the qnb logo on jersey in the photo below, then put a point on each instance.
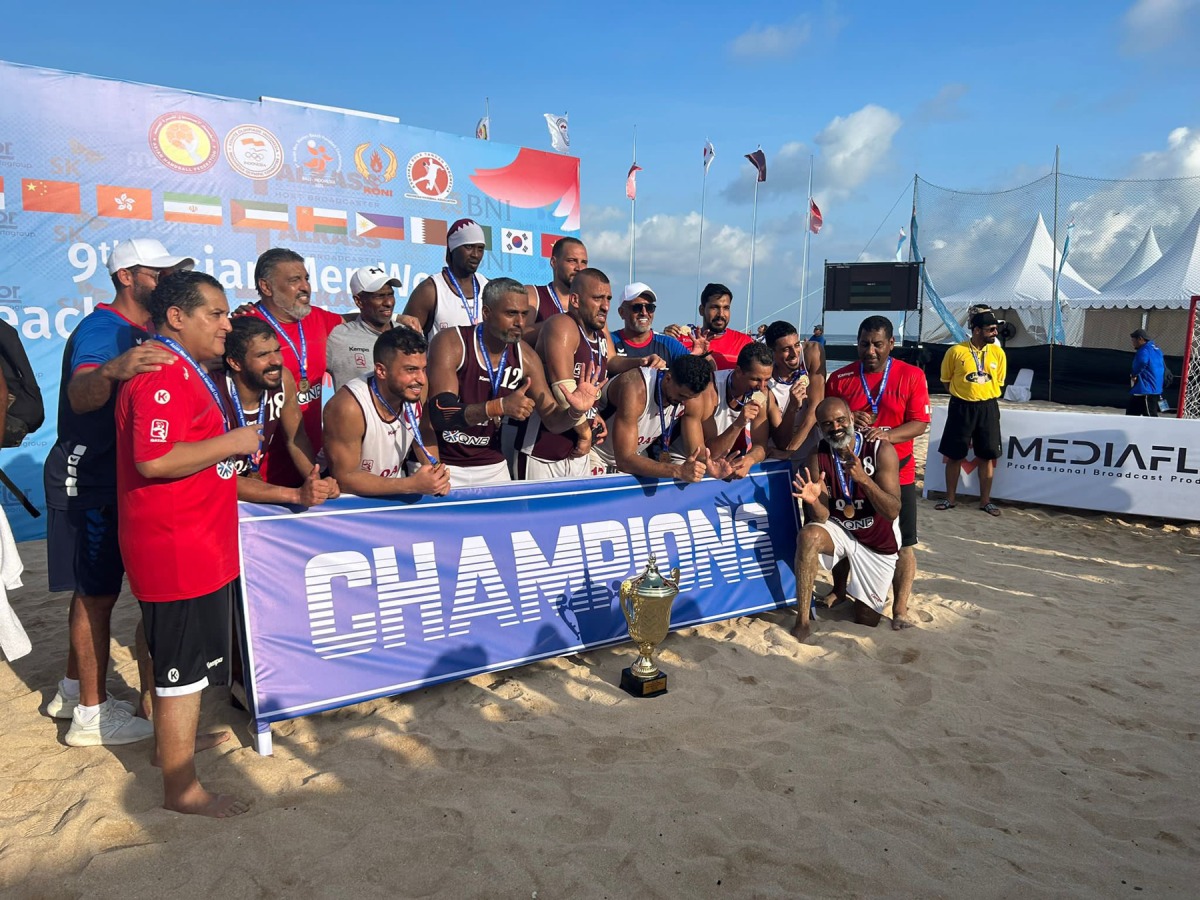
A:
(441, 588)
(467, 440)
(305, 397)
(858, 524)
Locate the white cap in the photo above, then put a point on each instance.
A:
(145, 252)
(635, 290)
(370, 279)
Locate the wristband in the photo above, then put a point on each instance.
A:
(560, 390)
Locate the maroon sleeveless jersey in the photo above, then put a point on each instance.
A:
(479, 445)
(546, 305)
(274, 442)
(867, 527)
(538, 441)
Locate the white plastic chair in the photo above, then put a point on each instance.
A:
(1019, 391)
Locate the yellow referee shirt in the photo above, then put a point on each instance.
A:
(973, 374)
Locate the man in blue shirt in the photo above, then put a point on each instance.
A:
(1146, 380)
(637, 338)
(818, 335)
(80, 477)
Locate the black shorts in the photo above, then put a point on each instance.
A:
(908, 515)
(1142, 405)
(82, 553)
(971, 424)
(189, 642)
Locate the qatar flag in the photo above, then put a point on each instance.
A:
(631, 181)
(815, 220)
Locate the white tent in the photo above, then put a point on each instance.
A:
(1146, 255)
(1021, 290)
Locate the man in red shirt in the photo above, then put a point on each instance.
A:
(890, 402)
(285, 303)
(713, 338)
(177, 509)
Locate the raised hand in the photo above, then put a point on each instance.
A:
(699, 342)
(694, 467)
(519, 406)
(722, 466)
(799, 390)
(750, 412)
(675, 331)
(587, 391)
(806, 489)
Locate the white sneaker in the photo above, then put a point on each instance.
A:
(63, 707)
(113, 725)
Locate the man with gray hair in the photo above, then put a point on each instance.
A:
(480, 375)
(453, 297)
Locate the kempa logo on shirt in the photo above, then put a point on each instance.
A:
(162, 397)
(173, 676)
(215, 662)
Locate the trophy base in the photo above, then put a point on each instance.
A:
(639, 687)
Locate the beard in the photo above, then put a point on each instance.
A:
(841, 442)
(297, 312)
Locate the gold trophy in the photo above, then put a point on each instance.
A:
(646, 601)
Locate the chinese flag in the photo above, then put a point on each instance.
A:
(123, 202)
(39, 195)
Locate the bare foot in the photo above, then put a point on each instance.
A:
(899, 623)
(145, 706)
(203, 742)
(199, 802)
(802, 632)
(834, 597)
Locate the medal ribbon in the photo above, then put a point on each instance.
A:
(472, 314)
(496, 375)
(199, 370)
(411, 416)
(980, 372)
(665, 435)
(847, 486)
(240, 412)
(741, 404)
(593, 351)
(301, 354)
(874, 401)
(554, 297)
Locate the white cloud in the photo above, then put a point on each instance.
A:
(1181, 158)
(1153, 24)
(944, 106)
(770, 41)
(854, 146)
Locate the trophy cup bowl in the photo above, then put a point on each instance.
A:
(646, 602)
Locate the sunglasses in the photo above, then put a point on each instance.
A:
(643, 307)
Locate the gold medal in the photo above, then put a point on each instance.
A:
(848, 509)
(303, 385)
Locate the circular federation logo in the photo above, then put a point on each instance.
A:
(318, 157)
(226, 468)
(253, 152)
(430, 176)
(184, 143)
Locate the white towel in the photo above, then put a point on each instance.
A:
(13, 639)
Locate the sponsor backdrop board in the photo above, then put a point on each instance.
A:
(1111, 463)
(359, 598)
(87, 162)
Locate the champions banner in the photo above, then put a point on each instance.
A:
(358, 599)
(1110, 463)
(87, 162)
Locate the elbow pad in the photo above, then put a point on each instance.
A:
(447, 413)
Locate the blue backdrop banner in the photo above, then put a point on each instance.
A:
(359, 599)
(88, 162)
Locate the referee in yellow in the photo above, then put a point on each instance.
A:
(973, 372)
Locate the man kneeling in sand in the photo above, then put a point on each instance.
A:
(853, 487)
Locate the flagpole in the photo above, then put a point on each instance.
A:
(1054, 286)
(753, 243)
(804, 266)
(632, 213)
(700, 249)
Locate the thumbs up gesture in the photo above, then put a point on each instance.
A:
(517, 405)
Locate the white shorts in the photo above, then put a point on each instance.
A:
(477, 476)
(544, 470)
(599, 465)
(870, 572)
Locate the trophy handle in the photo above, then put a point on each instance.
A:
(628, 589)
(673, 581)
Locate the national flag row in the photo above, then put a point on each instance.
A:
(114, 201)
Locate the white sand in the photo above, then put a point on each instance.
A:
(1036, 736)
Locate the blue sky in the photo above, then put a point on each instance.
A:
(969, 96)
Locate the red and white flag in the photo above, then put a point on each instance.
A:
(709, 155)
(631, 181)
(815, 220)
(759, 159)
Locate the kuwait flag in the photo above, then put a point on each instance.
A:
(548, 242)
(377, 225)
(321, 221)
(258, 214)
(427, 231)
(40, 195)
(197, 209)
(123, 202)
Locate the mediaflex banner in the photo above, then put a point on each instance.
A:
(357, 598)
(88, 162)
(1110, 463)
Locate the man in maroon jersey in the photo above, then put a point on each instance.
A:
(177, 504)
(713, 338)
(481, 374)
(890, 402)
(852, 486)
(567, 257)
(285, 303)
